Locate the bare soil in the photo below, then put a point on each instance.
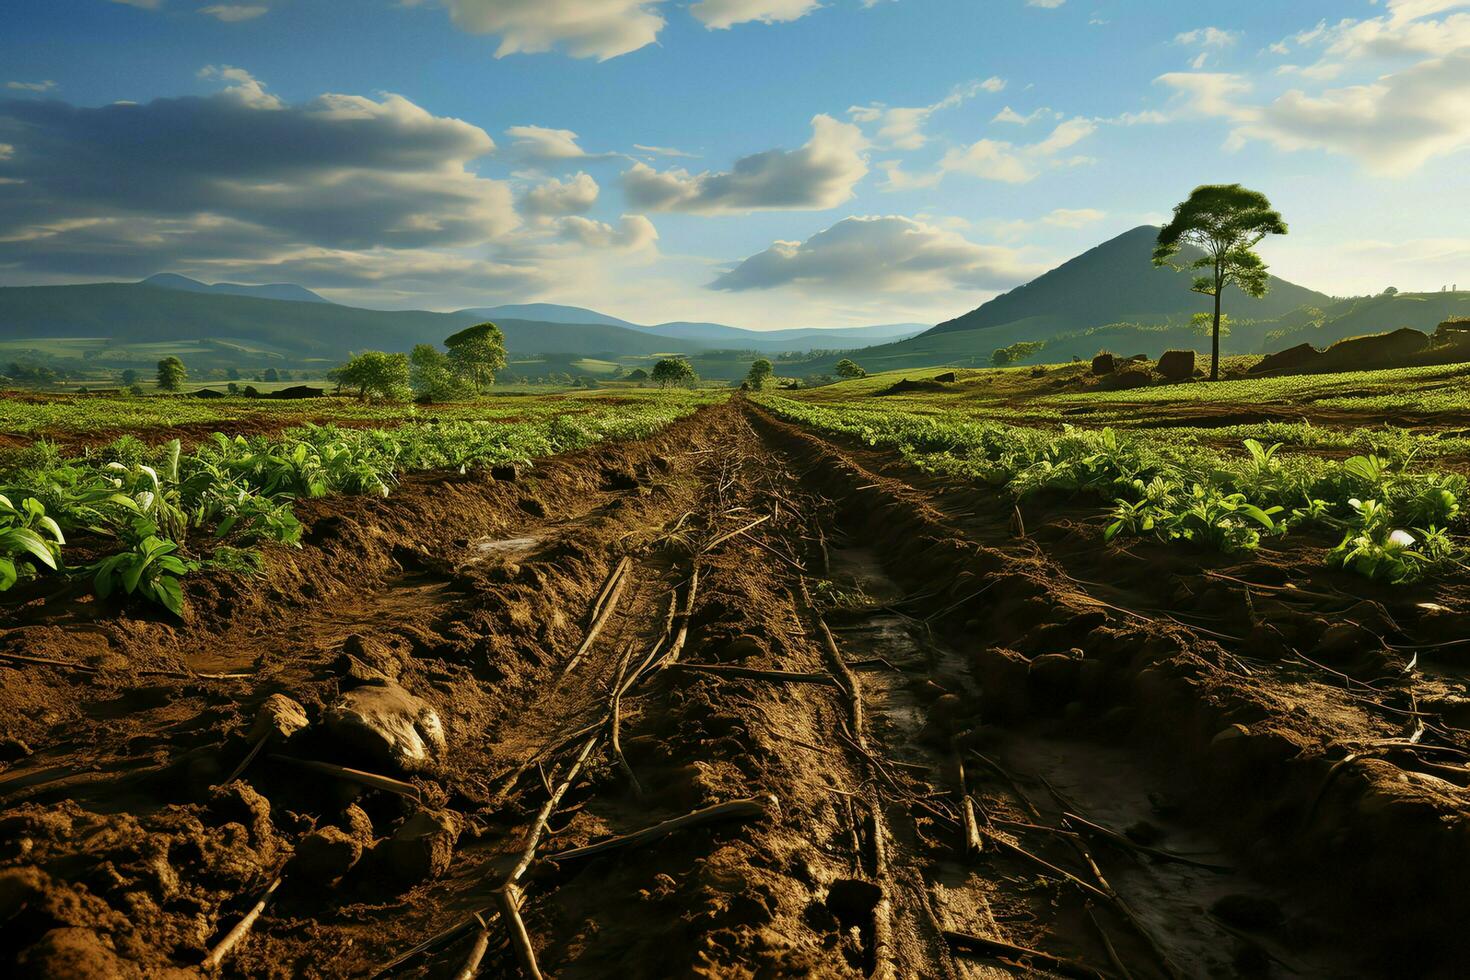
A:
(915, 731)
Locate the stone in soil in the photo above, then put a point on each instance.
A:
(424, 846)
(388, 725)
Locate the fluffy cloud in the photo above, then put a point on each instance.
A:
(1207, 37)
(878, 254)
(598, 29)
(45, 86)
(902, 127)
(720, 14)
(1393, 124)
(1003, 161)
(239, 175)
(633, 231)
(555, 198)
(819, 175)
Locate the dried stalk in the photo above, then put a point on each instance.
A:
(962, 942)
(222, 949)
(614, 723)
(730, 534)
(385, 783)
(602, 611)
(757, 806)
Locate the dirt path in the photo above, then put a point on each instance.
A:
(894, 738)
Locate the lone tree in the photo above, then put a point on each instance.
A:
(171, 374)
(476, 353)
(760, 373)
(374, 374)
(1225, 222)
(847, 368)
(674, 371)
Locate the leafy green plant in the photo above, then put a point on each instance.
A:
(150, 568)
(27, 536)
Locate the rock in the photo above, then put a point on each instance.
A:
(74, 952)
(1177, 365)
(13, 750)
(324, 855)
(946, 376)
(1248, 912)
(1131, 378)
(389, 724)
(278, 716)
(424, 846)
(1104, 363)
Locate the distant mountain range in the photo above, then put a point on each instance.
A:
(1109, 297)
(279, 290)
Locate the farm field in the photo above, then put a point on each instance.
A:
(826, 682)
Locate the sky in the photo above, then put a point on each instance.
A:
(764, 163)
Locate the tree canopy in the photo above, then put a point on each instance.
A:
(476, 353)
(759, 374)
(171, 374)
(1225, 222)
(674, 371)
(375, 374)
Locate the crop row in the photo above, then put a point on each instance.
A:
(157, 511)
(1396, 523)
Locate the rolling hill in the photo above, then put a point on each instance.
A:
(278, 290)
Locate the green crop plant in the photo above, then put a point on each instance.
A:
(27, 536)
(149, 568)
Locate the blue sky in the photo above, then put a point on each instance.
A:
(769, 163)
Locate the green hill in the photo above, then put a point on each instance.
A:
(1116, 282)
(227, 330)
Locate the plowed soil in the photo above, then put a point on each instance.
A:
(859, 722)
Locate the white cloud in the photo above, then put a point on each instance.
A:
(1394, 124)
(555, 198)
(600, 29)
(1074, 217)
(1003, 161)
(821, 174)
(245, 88)
(540, 144)
(233, 13)
(45, 86)
(1207, 37)
(145, 4)
(633, 232)
(1009, 115)
(722, 14)
(902, 127)
(1045, 4)
(878, 255)
(665, 151)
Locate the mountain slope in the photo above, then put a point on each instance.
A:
(278, 290)
(1116, 282)
(134, 313)
(547, 313)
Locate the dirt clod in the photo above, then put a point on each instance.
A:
(388, 725)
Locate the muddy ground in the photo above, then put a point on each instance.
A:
(902, 728)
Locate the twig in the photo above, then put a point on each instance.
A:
(1107, 942)
(962, 942)
(758, 806)
(1042, 862)
(471, 967)
(754, 673)
(385, 783)
(1116, 838)
(730, 534)
(614, 722)
(222, 949)
(602, 611)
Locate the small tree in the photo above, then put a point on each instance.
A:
(847, 368)
(270, 374)
(1016, 352)
(433, 376)
(476, 353)
(674, 371)
(171, 374)
(374, 374)
(1225, 222)
(759, 374)
(129, 377)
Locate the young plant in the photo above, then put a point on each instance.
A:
(27, 536)
(150, 568)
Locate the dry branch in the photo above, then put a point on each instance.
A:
(757, 806)
(963, 942)
(1114, 837)
(385, 783)
(222, 949)
(602, 611)
(730, 534)
(755, 673)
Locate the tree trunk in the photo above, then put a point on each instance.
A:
(1215, 339)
